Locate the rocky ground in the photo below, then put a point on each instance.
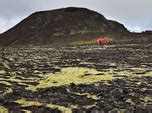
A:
(77, 78)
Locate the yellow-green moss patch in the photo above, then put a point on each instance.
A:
(13, 79)
(3, 109)
(147, 100)
(70, 75)
(9, 90)
(2, 72)
(88, 95)
(130, 102)
(135, 72)
(6, 83)
(25, 103)
(61, 108)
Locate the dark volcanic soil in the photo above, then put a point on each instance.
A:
(122, 79)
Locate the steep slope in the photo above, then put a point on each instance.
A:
(59, 27)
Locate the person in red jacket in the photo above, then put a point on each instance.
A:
(97, 41)
(104, 41)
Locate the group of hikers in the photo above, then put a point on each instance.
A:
(104, 41)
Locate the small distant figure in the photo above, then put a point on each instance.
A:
(98, 41)
(104, 41)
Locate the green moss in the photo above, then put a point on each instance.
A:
(6, 83)
(8, 91)
(88, 95)
(6, 66)
(71, 75)
(137, 68)
(3, 109)
(58, 34)
(73, 106)
(133, 74)
(147, 100)
(13, 79)
(80, 75)
(130, 102)
(89, 106)
(25, 103)
(26, 111)
(143, 75)
(94, 97)
(2, 72)
(12, 73)
(24, 81)
(79, 32)
(121, 110)
(61, 108)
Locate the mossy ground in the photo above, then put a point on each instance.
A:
(3, 109)
(76, 75)
(26, 103)
(90, 78)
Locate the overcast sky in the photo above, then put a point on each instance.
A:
(134, 14)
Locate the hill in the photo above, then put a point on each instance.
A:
(60, 27)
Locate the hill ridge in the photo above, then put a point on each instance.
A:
(59, 27)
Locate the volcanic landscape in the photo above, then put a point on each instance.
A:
(76, 75)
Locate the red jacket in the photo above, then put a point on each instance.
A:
(103, 41)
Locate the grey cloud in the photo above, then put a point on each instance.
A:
(12, 8)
